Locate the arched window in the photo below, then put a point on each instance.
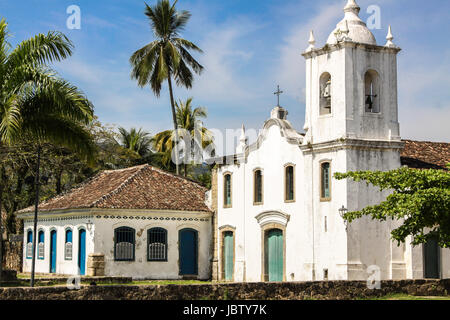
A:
(157, 244)
(68, 245)
(227, 190)
(325, 181)
(29, 244)
(258, 187)
(41, 245)
(325, 93)
(124, 244)
(289, 183)
(372, 92)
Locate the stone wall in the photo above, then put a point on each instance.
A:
(336, 290)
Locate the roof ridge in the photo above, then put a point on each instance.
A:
(122, 185)
(177, 176)
(425, 141)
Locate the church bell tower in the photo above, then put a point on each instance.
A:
(351, 84)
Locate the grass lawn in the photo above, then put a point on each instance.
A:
(408, 297)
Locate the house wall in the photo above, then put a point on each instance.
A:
(64, 267)
(141, 268)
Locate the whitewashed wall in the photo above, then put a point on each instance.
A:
(63, 267)
(141, 268)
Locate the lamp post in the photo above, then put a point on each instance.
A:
(342, 212)
(36, 207)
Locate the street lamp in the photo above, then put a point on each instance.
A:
(342, 212)
(89, 225)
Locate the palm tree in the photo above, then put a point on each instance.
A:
(188, 120)
(137, 141)
(168, 56)
(36, 104)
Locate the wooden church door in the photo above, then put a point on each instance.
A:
(228, 253)
(432, 259)
(274, 255)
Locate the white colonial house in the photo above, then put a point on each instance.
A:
(139, 222)
(278, 206)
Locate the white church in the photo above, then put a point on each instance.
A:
(278, 207)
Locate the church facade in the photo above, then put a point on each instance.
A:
(278, 208)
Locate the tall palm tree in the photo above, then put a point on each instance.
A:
(168, 56)
(134, 140)
(187, 119)
(36, 104)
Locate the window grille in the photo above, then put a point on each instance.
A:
(68, 249)
(41, 246)
(124, 244)
(29, 247)
(157, 244)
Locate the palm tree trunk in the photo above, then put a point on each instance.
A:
(1, 224)
(174, 115)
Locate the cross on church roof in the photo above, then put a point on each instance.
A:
(278, 93)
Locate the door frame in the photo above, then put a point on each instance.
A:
(196, 247)
(439, 261)
(223, 231)
(264, 231)
(80, 230)
(55, 244)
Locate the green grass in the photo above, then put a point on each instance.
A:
(158, 282)
(408, 297)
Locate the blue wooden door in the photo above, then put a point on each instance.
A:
(82, 252)
(188, 241)
(53, 251)
(274, 255)
(228, 253)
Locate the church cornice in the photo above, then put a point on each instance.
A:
(328, 48)
(340, 144)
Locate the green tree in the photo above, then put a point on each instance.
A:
(419, 198)
(190, 128)
(168, 56)
(137, 141)
(35, 103)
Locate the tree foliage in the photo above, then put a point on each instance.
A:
(419, 198)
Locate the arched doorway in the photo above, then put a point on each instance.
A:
(228, 255)
(431, 261)
(188, 251)
(82, 252)
(274, 255)
(53, 251)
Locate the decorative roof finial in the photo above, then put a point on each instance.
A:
(311, 41)
(242, 141)
(352, 6)
(389, 39)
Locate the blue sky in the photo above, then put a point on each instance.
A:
(250, 46)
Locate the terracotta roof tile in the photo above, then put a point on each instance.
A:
(142, 187)
(425, 155)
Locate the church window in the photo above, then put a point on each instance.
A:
(68, 247)
(258, 187)
(227, 190)
(325, 192)
(157, 244)
(325, 94)
(289, 183)
(41, 245)
(29, 244)
(372, 92)
(124, 244)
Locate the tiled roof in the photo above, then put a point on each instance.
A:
(425, 155)
(143, 187)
